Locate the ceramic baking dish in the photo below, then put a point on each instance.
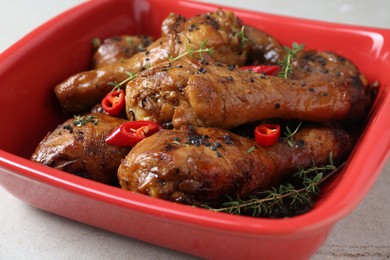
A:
(28, 110)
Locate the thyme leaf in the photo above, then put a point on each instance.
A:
(289, 135)
(251, 149)
(241, 34)
(95, 42)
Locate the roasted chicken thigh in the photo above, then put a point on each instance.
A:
(118, 49)
(217, 30)
(203, 165)
(77, 146)
(203, 93)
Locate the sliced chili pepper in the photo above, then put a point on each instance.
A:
(130, 133)
(114, 102)
(266, 69)
(267, 134)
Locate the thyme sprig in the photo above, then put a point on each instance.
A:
(241, 34)
(289, 135)
(276, 200)
(117, 86)
(83, 120)
(286, 64)
(191, 51)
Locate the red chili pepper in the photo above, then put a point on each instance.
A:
(130, 133)
(267, 134)
(114, 102)
(266, 69)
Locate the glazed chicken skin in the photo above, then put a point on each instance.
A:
(263, 49)
(78, 146)
(219, 30)
(203, 165)
(118, 49)
(213, 94)
(333, 65)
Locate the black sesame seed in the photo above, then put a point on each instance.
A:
(311, 89)
(167, 125)
(227, 139)
(277, 105)
(232, 67)
(69, 128)
(321, 61)
(300, 143)
(252, 79)
(218, 154)
(228, 142)
(341, 59)
(201, 71)
(217, 144)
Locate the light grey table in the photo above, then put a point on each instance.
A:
(29, 233)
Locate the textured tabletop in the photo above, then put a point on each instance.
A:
(29, 233)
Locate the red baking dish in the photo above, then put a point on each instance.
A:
(30, 69)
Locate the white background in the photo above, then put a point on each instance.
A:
(29, 233)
